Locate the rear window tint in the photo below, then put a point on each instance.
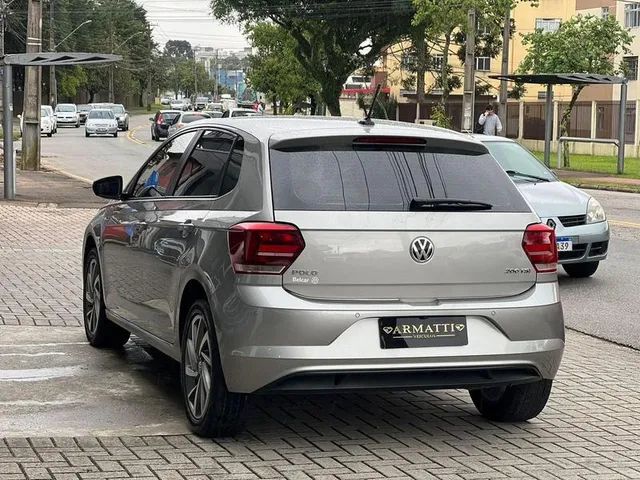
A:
(193, 118)
(387, 180)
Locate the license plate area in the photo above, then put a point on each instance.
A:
(565, 244)
(416, 332)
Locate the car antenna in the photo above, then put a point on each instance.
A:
(367, 119)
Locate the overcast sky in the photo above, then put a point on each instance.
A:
(190, 20)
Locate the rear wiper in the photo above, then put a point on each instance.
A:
(447, 205)
(513, 173)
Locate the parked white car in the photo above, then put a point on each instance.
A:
(67, 114)
(52, 116)
(46, 124)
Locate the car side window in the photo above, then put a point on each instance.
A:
(158, 174)
(225, 114)
(232, 173)
(203, 170)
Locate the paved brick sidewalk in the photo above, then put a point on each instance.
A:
(40, 266)
(590, 429)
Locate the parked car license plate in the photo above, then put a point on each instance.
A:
(413, 332)
(102, 130)
(565, 244)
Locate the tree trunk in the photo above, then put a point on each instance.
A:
(421, 67)
(564, 124)
(444, 72)
(274, 102)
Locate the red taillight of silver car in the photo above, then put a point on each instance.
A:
(539, 243)
(264, 248)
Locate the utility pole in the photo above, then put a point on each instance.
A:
(32, 91)
(215, 88)
(506, 39)
(469, 94)
(53, 84)
(195, 77)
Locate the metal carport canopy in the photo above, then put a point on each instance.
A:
(550, 79)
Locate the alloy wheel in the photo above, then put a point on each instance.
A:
(197, 366)
(93, 296)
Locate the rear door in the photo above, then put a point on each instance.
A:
(351, 199)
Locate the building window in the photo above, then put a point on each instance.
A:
(604, 12)
(435, 62)
(548, 25)
(483, 64)
(632, 15)
(630, 65)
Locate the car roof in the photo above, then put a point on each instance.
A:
(290, 127)
(170, 111)
(101, 110)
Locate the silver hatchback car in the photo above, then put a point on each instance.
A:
(281, 255)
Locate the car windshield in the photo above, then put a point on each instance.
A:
(243, 113)
(170, 116)
(84, 108)
(65, 108)
(43, 112)
(117, 109)
(513, 157)
(101, 114)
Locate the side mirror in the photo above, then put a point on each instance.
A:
(151, 119)
(108, 187)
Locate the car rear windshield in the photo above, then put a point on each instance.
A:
(193, 117)
(117, 109)
(65, 108)
(100, 114)
(387, 178)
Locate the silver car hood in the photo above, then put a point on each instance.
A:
(554, 199)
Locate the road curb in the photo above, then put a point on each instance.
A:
(67, 174)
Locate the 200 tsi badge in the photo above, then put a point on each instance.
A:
(408, 332)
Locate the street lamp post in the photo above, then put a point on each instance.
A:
(112, 98)
(53, 84)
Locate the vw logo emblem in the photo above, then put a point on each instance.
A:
(421, 250)
(551, 223)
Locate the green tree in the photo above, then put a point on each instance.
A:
(329, 35)
(583, 44)
(274, 69)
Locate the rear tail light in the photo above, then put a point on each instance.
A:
(160, 120)
(264, 248)
(539, 243)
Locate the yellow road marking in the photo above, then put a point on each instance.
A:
(131, 135)
(624, 224)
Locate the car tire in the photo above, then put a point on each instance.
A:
(216, 412)
(50, 134)
(115, 135)
(78, 125)
(581, 270)
(86, 134)
(514, 403)
(100, 331)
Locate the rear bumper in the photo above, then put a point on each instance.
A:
(306, 346)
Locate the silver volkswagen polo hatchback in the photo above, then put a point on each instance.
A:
(282, 255)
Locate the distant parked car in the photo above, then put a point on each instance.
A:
(201, 103)
(185, 118)
(67, 114)
(177, 105)
(239, 112)
(46, 123)
(52, 116)
(165, 101)
(83, 111)
(214, 107)
(121, 115)
(101, 121)
(579, 220)
(161, 122)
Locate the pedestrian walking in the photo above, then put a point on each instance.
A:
(490, 122)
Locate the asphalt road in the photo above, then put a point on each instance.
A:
(96, 157)
(606, 305)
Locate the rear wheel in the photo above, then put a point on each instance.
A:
(78, 125)
(515, 403)
(101, 332)
(49, 134)
(86, 134)
(115, 135)
(212, 410)
(581, 270)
